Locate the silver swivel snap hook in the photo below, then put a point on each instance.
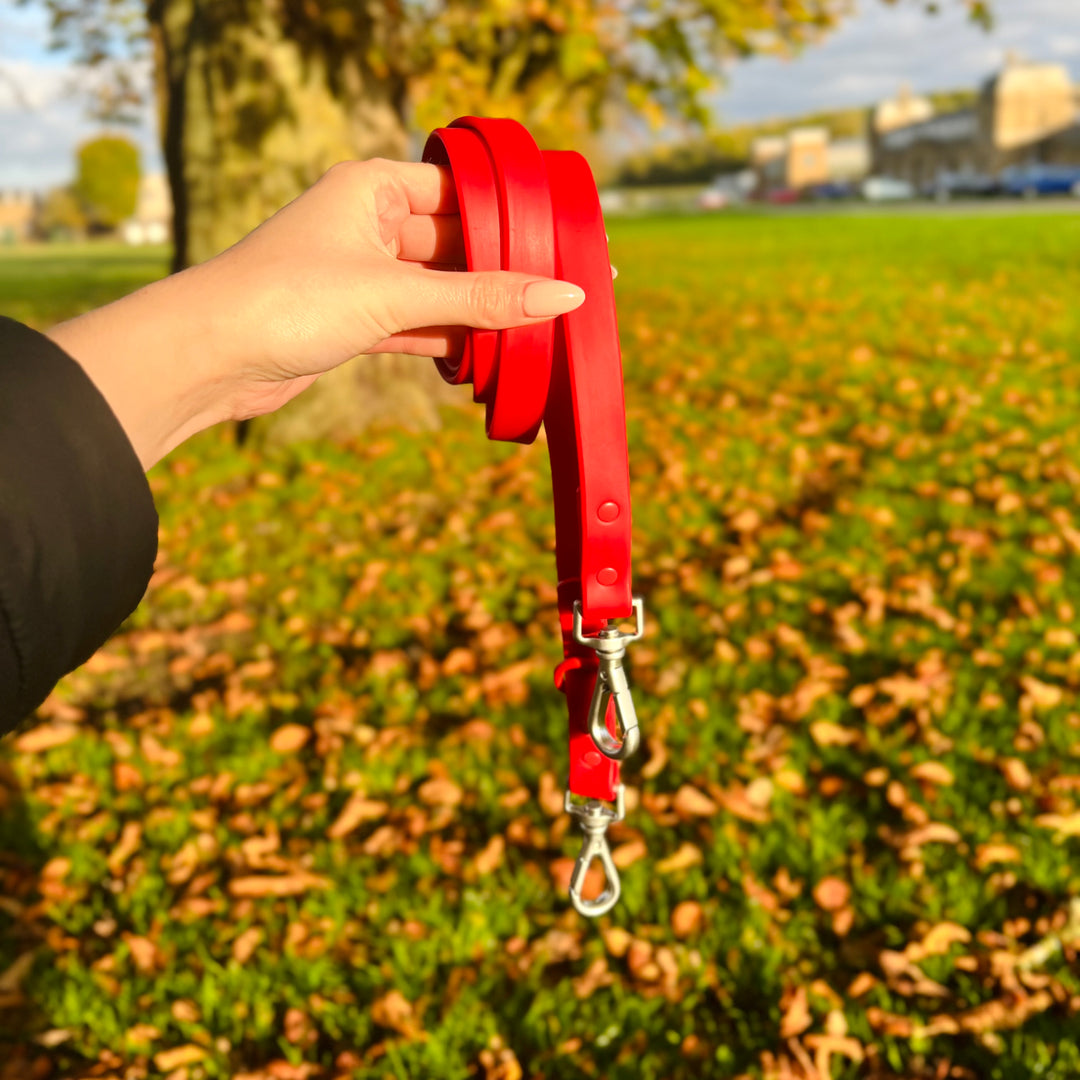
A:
(610, 647)
(594, 818)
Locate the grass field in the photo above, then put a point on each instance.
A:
(295, 820)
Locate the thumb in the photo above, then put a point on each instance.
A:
(485, 299)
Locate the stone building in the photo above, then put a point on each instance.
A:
(1021, 115)
(18, 215)
(799, 159)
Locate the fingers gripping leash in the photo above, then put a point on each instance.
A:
(538, 212)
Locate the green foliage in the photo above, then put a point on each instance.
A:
(301, 816)
(107, 179)
(62, 214)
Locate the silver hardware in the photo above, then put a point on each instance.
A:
(610, 647)
(595, 817)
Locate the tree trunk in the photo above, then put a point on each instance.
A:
(253, 111)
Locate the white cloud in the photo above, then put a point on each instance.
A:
(871, 54)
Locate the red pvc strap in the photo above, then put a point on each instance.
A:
(539, 212)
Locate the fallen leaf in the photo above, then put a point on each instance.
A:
(354, 813)
(46, 737)
(395, 1011)
(144, 953)
(246, 944)
(440, 791)
(932, 772)
(797, 1016)
(289, 738)
(284, 885)
(629, 853)
(686, 856)
(988, 854)
(491, 857)
(831, 893)
(687, 919)
(826, 733)
(1016, 774)
(130, 839)
(167, 1060)
(690, 802)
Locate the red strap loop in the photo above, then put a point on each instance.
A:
(539, 212)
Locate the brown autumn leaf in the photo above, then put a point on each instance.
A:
(690, 802)
(246, 943)
(395, 1011)
(1039, 695)
(843, 920)
(937, 941)
(687, 919)
(142, 1035)
(144, 952)
(126, 777)
(357, 809)
(45, 737)
(831, 894)
(128, 844)
(1064, 824)
(932, 833)
(295, 884)
(1016, 773)
(491, 857)
(596, 976)
(686, 856)
(178, 1057)
(797, 1016)
(1005, 1014)
(629, 853)
(861, 984)
(12, 977)
(826, 733)
(186, 1011)
(440, 791)
(932, 772)
(617, 940)
(988, 854)
(289, 738)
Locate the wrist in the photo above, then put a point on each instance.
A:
(153, 357)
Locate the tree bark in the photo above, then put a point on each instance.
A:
(253, 109)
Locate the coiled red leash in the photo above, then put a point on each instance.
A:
(538, 212)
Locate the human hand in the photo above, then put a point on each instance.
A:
(362, 262)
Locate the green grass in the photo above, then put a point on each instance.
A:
(855, 461)
(44, 284)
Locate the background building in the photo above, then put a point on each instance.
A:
(18, 213)
(1026, 114)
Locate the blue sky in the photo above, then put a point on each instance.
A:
(880, 47)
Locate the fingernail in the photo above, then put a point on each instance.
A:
(614, 272)
(543, 299)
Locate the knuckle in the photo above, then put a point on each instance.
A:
(489, 299)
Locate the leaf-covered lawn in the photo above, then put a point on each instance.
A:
(302, 817)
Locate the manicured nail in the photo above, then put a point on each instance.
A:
(542, 299)
(614, 272)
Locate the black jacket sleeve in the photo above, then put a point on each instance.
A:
(78, 528)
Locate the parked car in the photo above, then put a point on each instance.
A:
(962, 185)
(832, 191)
(886, 189)
(783, 196)
(1031, 181)
(713, 198)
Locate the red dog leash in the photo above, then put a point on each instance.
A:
(538, 212)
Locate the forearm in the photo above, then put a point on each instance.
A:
(150, 355)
